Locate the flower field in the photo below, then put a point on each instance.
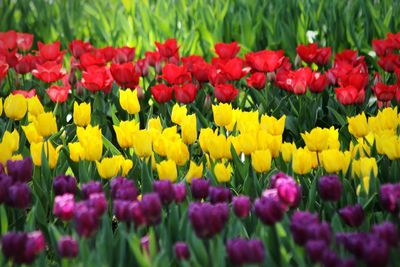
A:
(108, 158)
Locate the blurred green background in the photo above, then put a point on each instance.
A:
(198, 24)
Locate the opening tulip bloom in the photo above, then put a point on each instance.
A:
(125, 75)
(162, 93)
(227, 50)
(97, 79)
(45, 124)
(225, 92)
(49, 71)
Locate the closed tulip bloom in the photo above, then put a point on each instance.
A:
(50, 152)
(108, 167)
(332, 160)
(315, 249)
(142, 142)
(35, 107)
(223, 114)
(64, 207)
(269, 210)
(289, 192)
(272, 125)
(375, 252)
(1, 106)
(178, 152)
(178, 114)
(387, 231)
(67, 247)
(63, 184)
(316, 140)
(248, 142)
(302, 161)
(76, 151)
(15, 107)
(358, 125)
(123, 189)
(11, 140)
(45, 124)
(86, 220)
(271, 142)
(241, 206)
(261, 160)
(129, 101)
(330, 188)
(179, 192)
(166, 170)
(32, 133)
(91, 187)
(200, 188)
(189, 129)
(20, 170)
(364, 167)
(151, 207)
(165, 191)
(182, 251)
(223, 172)
(125, 133)
(19, 196)
(352, 215)
(216, 145)
(91, 140)
(82, 114)
(287, 150)
(195, 171)
(219, 194)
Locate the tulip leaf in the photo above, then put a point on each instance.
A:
(3, 220)
(342, 121)
(109, 146)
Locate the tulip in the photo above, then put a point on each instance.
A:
(387, 231)
(178, 114)
(48, 72)
(76, 151)
(64, 184)
(189, 129)
(186, 93)
(199, 188)
(167, 170)
(216, 145)
(81, 114)
(182, 251)
(32, 133)
(91, 141)
(98, 202)
(289, 192)
(97, 79)
(5, 183)
(151, 207)
(269, 210)
(178, 152)
(271, 142)
(358, 125)
(223, 114)
(302, 161)
(179, 192)
(19, 195)
(86, 220)
(389, 195)
(330, 188)
(167, 49)
(1, 106)
(20, 170)
(385, 92)
(287, 150)
(64, 206)
(110, 167)
(352, 215)
(15, 107)
(35, 107)
(364, 167)
(227, 50)
(223, 172)
(125, 75)
(315, 249)
(91, 187)
(195, 171)
(257, 80)
(174, 74)
(375, 252)
(129, 101)
(67, 247)
(261, 160)
(265, 60)
(50, 152)
(241, 251)
(123, 189)
(318, 82)
(164, 190)
(272, 125)
(299, 224)
(57, 93)
(225, 93)
(31, 244)
(161, 93)
(142, 143)
(241, 206)
(45, 124)
(333, 160)
(125, 133)
(219, 194)
(316, 139)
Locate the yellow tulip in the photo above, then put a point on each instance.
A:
(346, 162)
(76, 151)
(129, 101)
(216, 145)
(125, 133)
(31, 133)
(205, 134)
(35, 107)
(248, 142)
(82, 114)
(261, 160)
(189, 129)
(195, 171)
(11, 139)
(178, 114)
(316, 140)
(364, 167)
(126, 166)
(1, 106)
(142, 143)
(247, 121)
(6, 153)
(272, 125)
(15, 106)
(178, 152)
(108, 167)
(364, 184)
(332, 160)
(50, 152)
(358, 125)
(222, 114)
(223, 173)
(333, 141)
(232, 140)
(45, 124)
(287, 150)
(271, 142)
(363, 146)
(16, 157)
(166, 170)
(154, 126)
(92, 142)
(302, 161)
(235, 114)
(160, 144)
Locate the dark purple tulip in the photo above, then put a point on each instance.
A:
(2, 170)
(289, 191)
(120, 210)
(241, 206)
(20, 170)
(67, 247)
(352, 215)
(123, 189)
(98, 202)
(136, 214)
(279, 176)
(387, 231)
(241, 251)
(389, 196)
(199, 188)
(63, 184)
(299, 223)
(64, 207)
(19, 195)
(269, 210)
(12, 244)
(151, 207)
(219, 194)
(315, 249)
(320, 231)
(90, 188)
(256, 251)
(375, 252)
(330, 188)
(330, 259)
(179, 192)
(182, 251)
(86, 219)
(164, 190)
(36, 242)
(353, 242)
(5, 183)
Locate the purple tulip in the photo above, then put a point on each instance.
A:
(289, 191)
(20, 170)
(330, 188)
(315, 249)
(19, 195)
(5, 183)
(120, 210)
(164, 190)
(269, 210)
(2, 170)
(241, 206)
(352, 215)
(389, 196)
(179, 192)
(375, 252)
(387, 231)
(199, 188)
(241, 251)
(63, 184)
(123, 189)
(98, 202)
(136, 214)
(90, 188)
(353, 242)
(219, 194)
(151, 207)
(23, 247)
(299, 225)
(182, 251)
(64, 207)
(86, 219)
(67, 247)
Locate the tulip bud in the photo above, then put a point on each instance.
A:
(19, 195)
(299, 224)
(129, 101)
(219, 194)
(375, 252)
(289, 192)
(164, 190)
(241, 206)
(67, 247)
(199, 188)
(82, 114)
(269, 210)
(64, 207)
(20, 170)
(182, 251)
(179, 192)
(15, 106)
(151, 207)
(352, 215)
(223, 173)
(64, 184)
(120, 210)
(330, 188)
(389, 195)
(135, 213)
(35, 107)
(189, 129)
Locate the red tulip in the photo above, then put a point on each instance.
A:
(349, 56)
(153, 58)
(312, 54)
(58, 93)
(142, 67)
(389, 62)
(11, 56)
(50, 52)
(398, 95)
(25, 93)
(24, 41)
(89, 59)
(257, 80)
(124, 54)
(107, 53)
(301, 79)
(161, 93)
(265, 60)
(125, 75)
(79, 47)
(349, 95)
(3, 69)
(382, 46)
(384, 92)
(227, 51)
(395, 38)
(319, 82)
(356, 79)
(186, 93)
(200, 71)
(233, 69)
(168, 49)
(8, 40)
(174, 74)
(97, 79)
(283, 79)
(49, 72)
(216, 76)
(225, 92)
(25, 64)
(190, 61)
